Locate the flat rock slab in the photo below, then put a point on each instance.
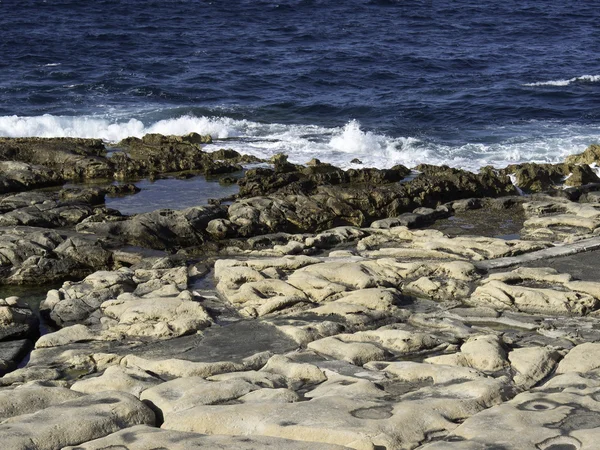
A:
(544, 255)
(75, 421)
(30, 399)
(143, 438)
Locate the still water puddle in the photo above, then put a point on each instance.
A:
(172, 193)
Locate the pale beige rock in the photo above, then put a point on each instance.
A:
(573, 380)
(28, 399)
(184, 393)
(325, 420)
(286, 263)
(177, 276)
(315, 287)
(441, 321)
(583, 358)
(352, 275)
(354, 314)
(533, 421)
(425, 287)
(304, 332)
(67, 335)
(520, 274)
(346, 386)
(180, 367)
(280, 395)
(353, 422)
(295, 371)
(587, 287)
(484, 353)
(257, 378)
(142, 437)
(117, 378)
(363, 306)
(532, 364)
(156, 316)
(357, 353)
(404, 253)
(413, 372)
(437, 408)
(396, 341)
(563, 220)
(478, 248)
(376, 299)
(89, 417)
(502, 296)
(266, 296)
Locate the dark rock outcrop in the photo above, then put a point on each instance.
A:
(163, 229)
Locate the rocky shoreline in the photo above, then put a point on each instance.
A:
(424, 308)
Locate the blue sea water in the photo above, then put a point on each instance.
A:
(462, 82)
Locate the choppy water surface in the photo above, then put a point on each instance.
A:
(451, 81)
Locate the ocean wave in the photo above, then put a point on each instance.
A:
(536, 142)
(581, 79)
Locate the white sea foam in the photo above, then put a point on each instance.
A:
(581, 79)
(537, 142)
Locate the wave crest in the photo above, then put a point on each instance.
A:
(581, 79)
(535, 142)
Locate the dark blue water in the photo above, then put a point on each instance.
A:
(465, 82)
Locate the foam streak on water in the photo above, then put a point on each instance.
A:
(531, 141)
(581, 79)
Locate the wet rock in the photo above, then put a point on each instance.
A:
(91, 196)
(119, 190)
(19, 176)
(12, 352)
(72, 158)
(40, 256)
(17, 320)
(589, 156)
(156, 153)
(164, 229)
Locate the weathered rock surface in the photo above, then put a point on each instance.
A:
(143, 437)
(90, 417)
(27, 399)
(41, 256)
(163, 229)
